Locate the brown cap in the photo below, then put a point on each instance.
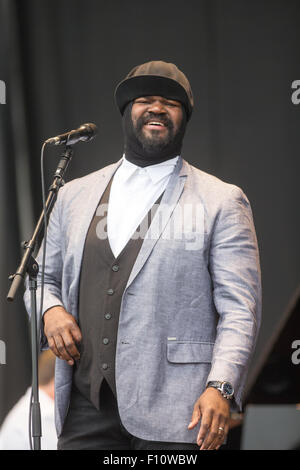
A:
(155, 78)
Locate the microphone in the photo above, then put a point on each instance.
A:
(84, 133)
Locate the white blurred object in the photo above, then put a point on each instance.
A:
(14, 432)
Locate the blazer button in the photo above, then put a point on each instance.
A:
(110, 291)
(115, 267)
(105, 341)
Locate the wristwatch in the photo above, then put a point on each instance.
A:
(225, 388)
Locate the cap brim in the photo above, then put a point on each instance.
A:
(151, 85)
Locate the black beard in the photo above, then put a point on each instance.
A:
(155, 144)
(144, 151)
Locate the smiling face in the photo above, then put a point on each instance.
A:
(156, 121)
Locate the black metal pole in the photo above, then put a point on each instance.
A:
(29, 266)
(35, 405)
(29, 247)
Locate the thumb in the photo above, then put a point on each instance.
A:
(195, 418)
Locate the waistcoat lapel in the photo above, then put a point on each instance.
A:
(94, 193)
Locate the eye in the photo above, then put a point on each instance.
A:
(142, 101)
(171, 104)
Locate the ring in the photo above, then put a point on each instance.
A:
(221, 429)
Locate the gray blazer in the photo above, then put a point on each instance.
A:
(190, 311)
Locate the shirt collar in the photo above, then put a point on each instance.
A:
(155, 172)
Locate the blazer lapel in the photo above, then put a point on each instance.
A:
(167, 205)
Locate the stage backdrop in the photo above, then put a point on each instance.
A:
(61, 61)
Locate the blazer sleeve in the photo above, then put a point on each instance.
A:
(53, 269)
(235, 271)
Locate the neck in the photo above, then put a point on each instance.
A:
(136, 159)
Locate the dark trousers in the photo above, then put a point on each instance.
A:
(86, 428)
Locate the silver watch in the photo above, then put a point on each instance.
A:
(225, 388)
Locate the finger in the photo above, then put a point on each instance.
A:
(76, 333)
(204, 427)
(223, 437)
(195, 418)
(219, 439)
(212, 435)
(63, 354)
(222, 431)
(70, 345)
(218, 445)
(52, 346)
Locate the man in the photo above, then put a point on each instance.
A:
(14, 434)
(152, 306)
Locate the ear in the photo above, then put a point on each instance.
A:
(128, 108)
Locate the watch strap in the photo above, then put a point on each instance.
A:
(219, 386)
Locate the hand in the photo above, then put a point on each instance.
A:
(214, 411)
(62, 333)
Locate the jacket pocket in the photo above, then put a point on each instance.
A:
(189, 351)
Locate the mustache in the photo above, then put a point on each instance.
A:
(154, 117)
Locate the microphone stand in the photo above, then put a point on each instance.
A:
(29, 266)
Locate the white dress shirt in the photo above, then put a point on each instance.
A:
(133, 192)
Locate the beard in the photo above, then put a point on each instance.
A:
(154, 143)
(142, 149)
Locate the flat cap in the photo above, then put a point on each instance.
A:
(155, 78)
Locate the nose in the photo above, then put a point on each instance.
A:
(156, 107)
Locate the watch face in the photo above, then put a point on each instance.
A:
(227, 388)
